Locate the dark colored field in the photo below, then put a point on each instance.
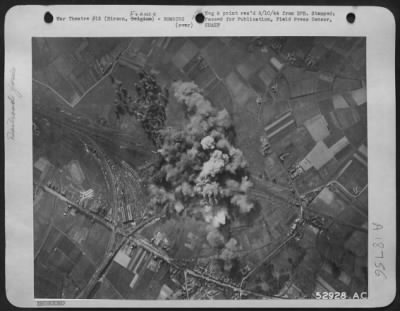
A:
(341, 85)
(304, 110)
(213, 52)
(308, 180)
(145, 288)
(363, 200)
(220, 97)
(303, 44)
(106, 291)
(120, 278)
(60, 261)
(44, 288)
(201, 42)
(344, 153)
(68, 248)
(328, 170)
(96, 242)
(98, 103)
(355, 176)
(82, 271)
(127, 76)
(356, 133)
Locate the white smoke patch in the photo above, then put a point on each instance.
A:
(215, 216)
(199, 162)
(237, 160)
(208, 143)
(193, 152)
(185, 189)
(213, 166)
(160, 196)
(223, 120)
(246, 184)
(229, 253)
(223, 144)
(178, 206)
(207, 213)
(171, 172)
(215, 238)
(241, 201)
(220, 218)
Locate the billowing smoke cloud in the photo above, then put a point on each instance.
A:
(229, 253)
(215, 238)
(199, 166)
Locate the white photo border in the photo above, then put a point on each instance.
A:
(22, 23)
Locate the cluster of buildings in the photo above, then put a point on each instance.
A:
(71, 183)
(136, 273)
(65, 247)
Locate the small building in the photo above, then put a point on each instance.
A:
(276, 63)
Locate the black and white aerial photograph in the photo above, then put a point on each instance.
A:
(196, 168)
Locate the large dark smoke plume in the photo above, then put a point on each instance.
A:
(200, 167)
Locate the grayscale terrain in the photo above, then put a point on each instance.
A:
(199, 168)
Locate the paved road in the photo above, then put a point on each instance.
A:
(108, 72)
(79, 208)
(109, 177)
(101, 269)
(337, 183)
(279, 200)
(85, 133)
(265, 194)
(142, 242)
(270, 255)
